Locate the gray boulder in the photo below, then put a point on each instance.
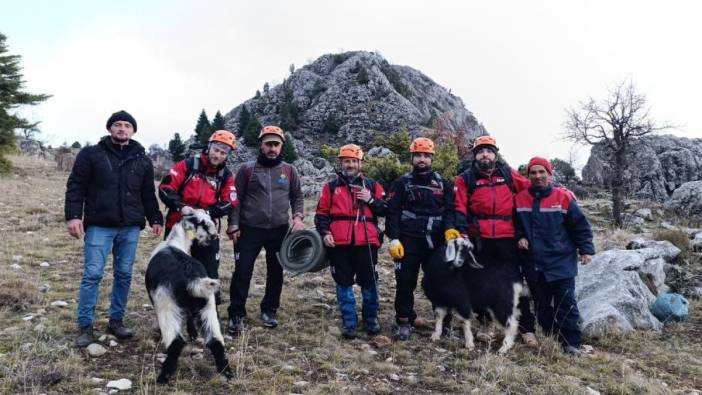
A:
(615, 290)
(696, 243)
(686, 200)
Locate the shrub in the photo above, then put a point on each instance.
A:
(446, 160)
(384, 170)
(563, 168)
(329, 153)
(397, 142)
(362, 76)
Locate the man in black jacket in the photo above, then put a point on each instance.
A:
(109, 194)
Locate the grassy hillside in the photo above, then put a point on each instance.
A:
(303, 355)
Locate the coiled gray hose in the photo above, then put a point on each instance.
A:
(303, 252)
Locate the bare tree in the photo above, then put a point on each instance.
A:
(614, 122)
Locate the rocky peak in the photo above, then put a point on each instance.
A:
(348, 97)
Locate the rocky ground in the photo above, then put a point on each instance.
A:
(40, 268)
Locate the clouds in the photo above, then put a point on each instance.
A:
(516, 65)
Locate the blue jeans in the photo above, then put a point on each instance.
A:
(98, 242)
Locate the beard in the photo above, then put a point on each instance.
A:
(349, 173)
(486, 164)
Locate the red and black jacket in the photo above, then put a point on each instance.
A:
(556, 228)
(197, 186)
(339, 212)
(489, 203)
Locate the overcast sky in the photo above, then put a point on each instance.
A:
(517, 65)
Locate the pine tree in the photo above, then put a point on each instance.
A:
(244, 117)
(250, 133)
(75, 144)
(288, 151)
(11, 97)
(203, 129)
(176, 148)
(289, 112)
(218, 122)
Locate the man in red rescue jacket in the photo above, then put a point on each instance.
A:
(346, 217)
(484, 202)
(202, 181)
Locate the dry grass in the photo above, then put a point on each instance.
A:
(305, 354)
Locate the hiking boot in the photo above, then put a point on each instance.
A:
(572, 351)
(348, 333)
(372, 327)
(402, 331)
(235, 325)
(529, 340)
(85, 336)
(117, 328)
(269, 320)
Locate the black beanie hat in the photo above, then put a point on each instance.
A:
(121, 116)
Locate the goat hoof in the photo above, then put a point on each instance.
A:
(435, 338)
(470, 347)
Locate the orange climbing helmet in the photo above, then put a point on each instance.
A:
(422, 144)
(485, 140)
(271, 129)
(225, 137)
(351, 151)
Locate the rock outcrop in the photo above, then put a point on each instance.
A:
(686, 200)
(658, 165)
(615, 290)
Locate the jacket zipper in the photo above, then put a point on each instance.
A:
(494, 204)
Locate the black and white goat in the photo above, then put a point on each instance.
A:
(180, 290)
(454, 283)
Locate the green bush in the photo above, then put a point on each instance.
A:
(384, 170)
(288, 150)
(362, 76)
(328, 153)
(397, 142)
(446, 160)
(563, 168)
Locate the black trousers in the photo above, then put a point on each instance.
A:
(353, 264)
(417, 254)
(246, 251)
(557, 309)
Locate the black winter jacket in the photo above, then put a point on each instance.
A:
(112, 189)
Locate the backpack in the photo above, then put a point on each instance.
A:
(408, 187)
(471, 179)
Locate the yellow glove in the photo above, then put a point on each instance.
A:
(451, 234)
(397, 251)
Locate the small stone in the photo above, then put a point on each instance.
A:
(388, 359)
(591, 391)
(412, 379)
(113, 391)
(113, 343)
(300, 383)
(147, 306)
(96, 380)
(44, 264)
(372, 352)
(102, 338)
(587, 349)
(394, 377)
(16, 258)
(59, 303)
(334, 330)
(39, 328)
(96, 350)
(15, 266)
(121, 384)
(44, 287)
(288, 368)
(381, 341)
(28, 317)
